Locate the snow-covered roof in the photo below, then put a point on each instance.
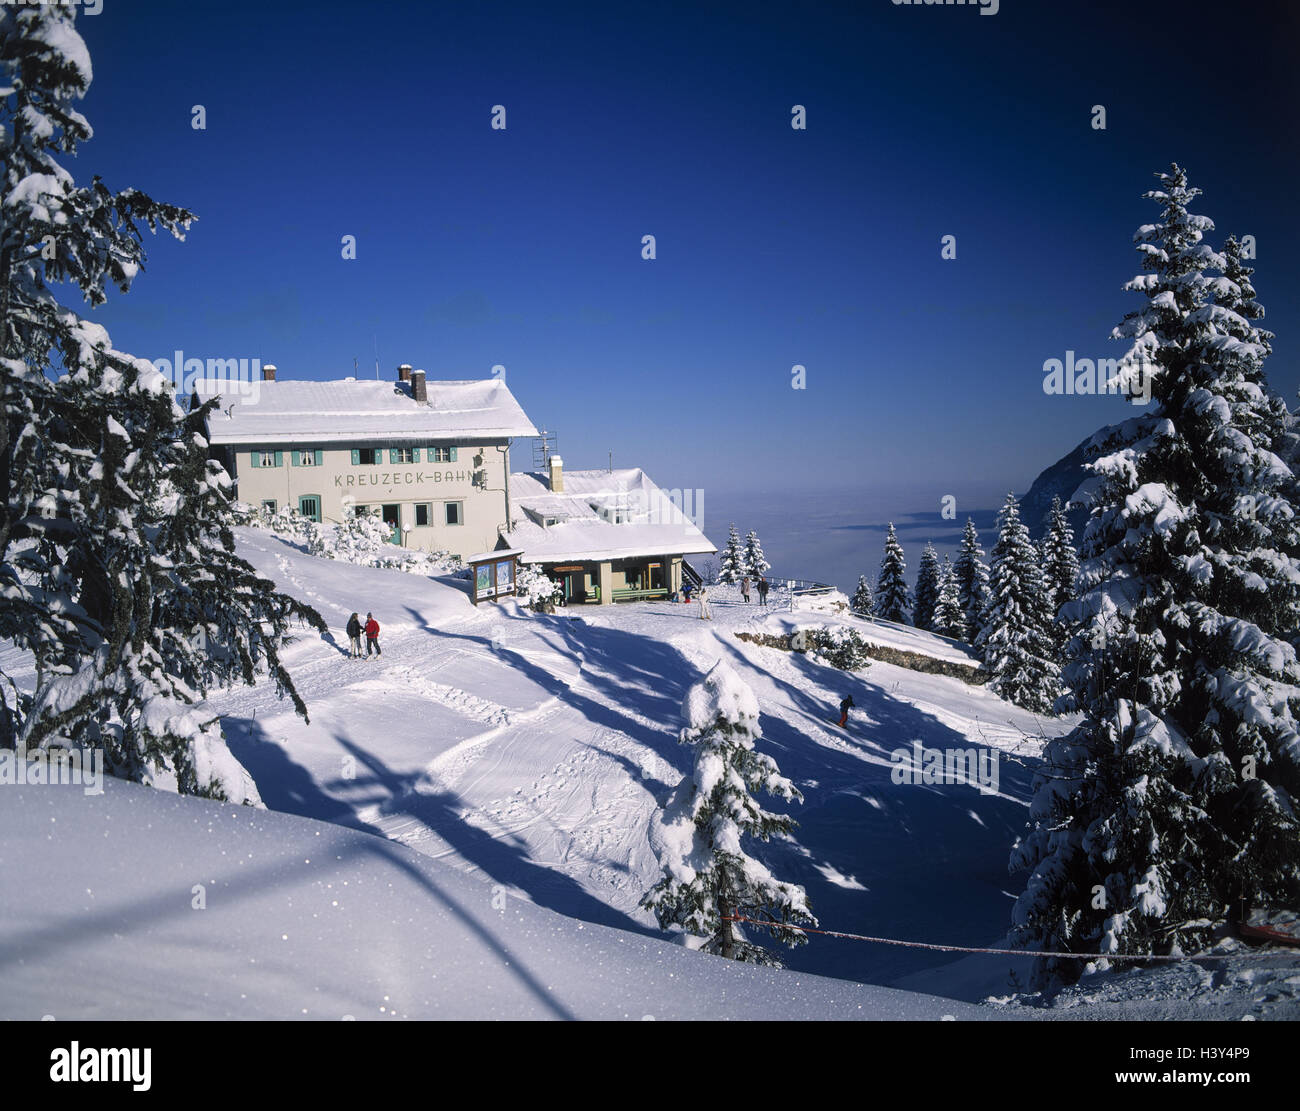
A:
(355, 409)
(600, 515)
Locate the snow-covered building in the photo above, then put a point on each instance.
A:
(432, 457)
(605, 535)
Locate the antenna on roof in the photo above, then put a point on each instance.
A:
(544, 446)
(611, 462)
(376, 335)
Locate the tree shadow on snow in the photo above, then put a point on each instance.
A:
(932, 858)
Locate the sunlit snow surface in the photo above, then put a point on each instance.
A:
(482, 794)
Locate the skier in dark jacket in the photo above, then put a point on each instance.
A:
(372, 636)
(354, 637)
(845, 706)
(762, 590)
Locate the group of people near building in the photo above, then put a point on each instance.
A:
(702, 595)
(371, 630)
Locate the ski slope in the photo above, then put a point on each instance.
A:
(477, 802)
(533, 749)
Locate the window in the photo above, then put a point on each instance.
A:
(366, 456)
(309, 507)
(441, 454)
(267, 458)
(423, 514)
(269, 505)
(308, 458)
(392, 516)
(403, 455)
(455, 513)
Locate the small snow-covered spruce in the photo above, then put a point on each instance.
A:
(358, 538)
(709, 878)
(949, 621)
(972, 583)
(534, 588)
(732, 566)
(863, 604)
(119, 579)
(755, 563)
(1060, 563)
(1016, 643)
(840, 647)
(892, 601)
(1176, 796)
(927, 589)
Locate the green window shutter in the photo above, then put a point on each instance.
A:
(453, 455)
(356, 457)
(320, 458)
(415, 455)
(255, 458)
(392, 455)
(297, 459)
(279, 459)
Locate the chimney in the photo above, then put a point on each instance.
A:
(404, 372)
(557, 475)
(418, 390)
(268, 372)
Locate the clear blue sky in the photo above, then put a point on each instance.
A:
(775, 247)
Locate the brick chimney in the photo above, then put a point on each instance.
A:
(557, 475)
(404, 372)
(418, 389)
(268, 372)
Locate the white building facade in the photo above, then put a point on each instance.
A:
(433, 458)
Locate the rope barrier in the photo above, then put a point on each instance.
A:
(1017, 952)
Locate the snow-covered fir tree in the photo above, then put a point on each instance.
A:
(1176, 796)
(1016, 641)
(120, 579)
(892, 599)
(949, 621)
(1060, 563)
(927, 588)
(359, 538)
(755, 563)
(972, 583)
(709, 878)
(862, 602)
(731, 568)
(534, 588)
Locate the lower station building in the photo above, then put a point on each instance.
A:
(433, 458)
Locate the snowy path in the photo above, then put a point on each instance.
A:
(533, 749)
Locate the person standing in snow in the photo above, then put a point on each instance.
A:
(354, 637)
(744, 588)
(845, 706)
(686, 592)
(762, 590)
(706, 614)
(372, 636)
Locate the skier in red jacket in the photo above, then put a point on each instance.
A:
(372, 636)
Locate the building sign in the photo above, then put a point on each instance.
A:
(401, 478)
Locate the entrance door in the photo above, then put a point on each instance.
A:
(393, 519)
(309, 507)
